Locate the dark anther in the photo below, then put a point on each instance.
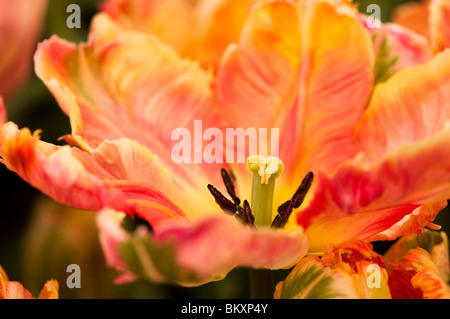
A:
(285, 210)
(228, 182)
(302, 190)
(246, 214)
(224, 203)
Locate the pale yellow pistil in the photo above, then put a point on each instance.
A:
(265, 170)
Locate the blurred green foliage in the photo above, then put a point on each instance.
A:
(35, 248)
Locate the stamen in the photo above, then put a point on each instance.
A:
(224, 203)
(246, 214)
(302, 190)
(285, 209)
(228, 182)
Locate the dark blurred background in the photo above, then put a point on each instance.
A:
(39, 238)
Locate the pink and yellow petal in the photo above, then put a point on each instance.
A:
(194, 253)
(375, 197)
(283, 77)
(430, 18)
(256, 77)
(15, 290)
(404, 135)
(414, 16)
(413, 223)
(119, 174)
(396, 47)
(256, 81)
(110, 100)
(406, 47)
(121, 98)
(439, 19)
(53, 170)
(331, 225)
(336, 79)
(410, 107)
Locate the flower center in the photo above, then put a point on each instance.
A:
(259, 213)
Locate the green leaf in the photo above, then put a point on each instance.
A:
(385, 61)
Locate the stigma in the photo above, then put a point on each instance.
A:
(265, 166)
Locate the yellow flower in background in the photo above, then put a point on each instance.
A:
(20, 27)
(430, 18)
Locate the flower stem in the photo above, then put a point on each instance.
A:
(261, 284)
(265, 171)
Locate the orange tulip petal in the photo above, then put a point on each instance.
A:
(169, 20)
(15, 290)
(217, 23)
(434, 242)
(50, 290)
(194, 28)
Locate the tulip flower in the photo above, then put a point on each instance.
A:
(415, 267)
(355, 162)
(430, 18)
(20, 26)
(15, 290)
